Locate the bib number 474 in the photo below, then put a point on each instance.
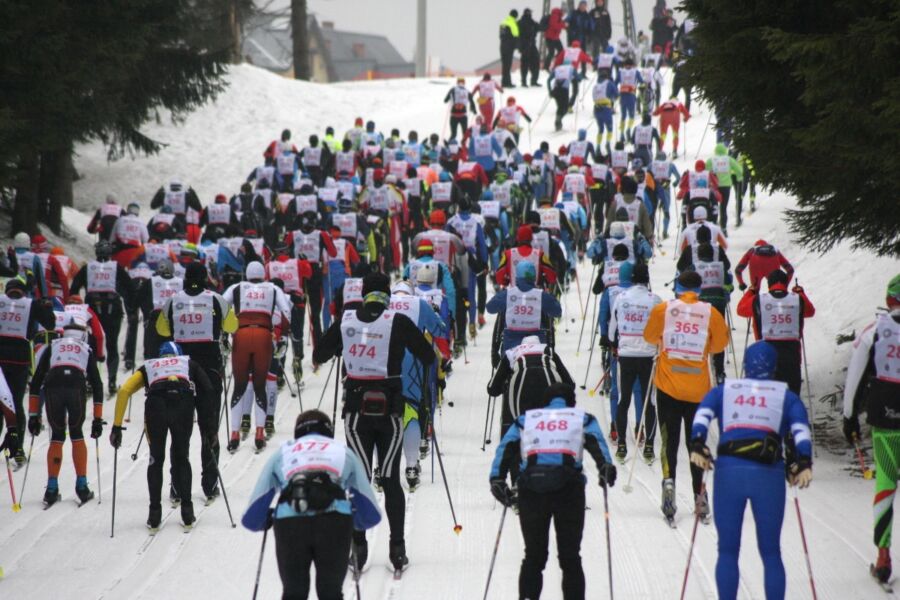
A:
(362, 351)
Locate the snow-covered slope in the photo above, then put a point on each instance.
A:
(67, 551)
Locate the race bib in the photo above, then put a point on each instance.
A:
(257, 298)
(780, 317)
(752, 404)
(686, 330)
(366, 346)
(887, 349)
(553, 431)
(101, 277)
(14, 316)
(523, 309)
(170, 367)
(193, 316)
(312, 453)
(66, 352)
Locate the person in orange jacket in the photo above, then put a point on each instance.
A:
(687, 331)
(778, 316)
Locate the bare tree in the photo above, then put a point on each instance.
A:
(300, 35)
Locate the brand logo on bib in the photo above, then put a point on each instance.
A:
(768, 306)
(674, 312)
(351, 332)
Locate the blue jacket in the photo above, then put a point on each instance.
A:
(612, 92)
(362, 504)
(412, 373)
(606, 305)
(793, 420)
(487, 162)
(550, 309)
(597, 248)
(580, 26)
(514, 436)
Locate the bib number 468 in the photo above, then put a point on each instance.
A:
(552, 425)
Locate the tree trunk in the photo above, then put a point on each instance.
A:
(300, 35)
(25, 212)
(234, 28)
(55, 186)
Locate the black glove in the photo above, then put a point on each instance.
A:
(502, 493)
(851, 429)
(792, 468)
(607, 474)
(34, 424)
(604, 341)
(97, 428)
(742, 286)
(11, 442)
(115, 437)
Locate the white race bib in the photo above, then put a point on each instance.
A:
(257, 298)
(553, 431)
(14, 316)
(66, 352)
(887, 349)
(523, 309)
(686, 330)
(161, 369)
(193, 317)
(752, 404)
(780, 317)
(313, 453)
(101, 277)
(366, 346)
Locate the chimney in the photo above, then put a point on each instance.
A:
(328, 25)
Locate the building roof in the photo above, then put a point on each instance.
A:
(353, 54)
(349, 55)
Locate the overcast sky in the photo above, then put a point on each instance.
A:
(462, 33)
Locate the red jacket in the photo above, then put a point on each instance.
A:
(748, 307)
(762, 258)
(555, 25)
(684, 186)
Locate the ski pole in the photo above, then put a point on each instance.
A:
(212, 459)
(356, 572)
(487, 417)
(337, 375)
(325, 387)
(583, 320)
(866, 471)
(746, 340)
(134, 454)
(262, 551)
(487, 586)
(812, 582)
(608, 538)
(731, 339)
(12, 489)
(493, 412)
(641, 427)
(605, 376)
(580, 302)
(27, 466)
(437, 450)
(812, 408)
(99, 485)
(112, 531)
(687, 568)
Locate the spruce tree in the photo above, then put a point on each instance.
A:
(812, 90)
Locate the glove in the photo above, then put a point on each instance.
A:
(607, 474)
(604, 341)
(11, 442)
(799, 472)
(742, 286)
(502, 493)
(700, 454)
(34, 424)
(851, 429)
(797, 289)
(97, 427)
(115, 437)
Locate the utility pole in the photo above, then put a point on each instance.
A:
(421, 34)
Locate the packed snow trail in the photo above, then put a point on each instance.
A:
(67, 552)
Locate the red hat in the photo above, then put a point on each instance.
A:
(425, 247)
(699, 166)
(378, 175)
(358, 122)
(563, 150)
(527, 158)
(438, 218)
(221, 199)
(511, 101)
(524, 234)
(576, 44)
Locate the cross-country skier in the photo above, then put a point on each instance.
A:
(60, 381)
(761, 259)
(322, 494)
(687, 330)
(758, 419)
(548, 443)
(175, 387)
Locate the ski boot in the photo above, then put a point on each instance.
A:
(280, 380)
(51, 496)
(472, 331)
(613, 434)
(245, 426)
(423, 448)
(212, 494)
(649, 454)
(298, 370)
(129, 365)
(187, 516)
(19, 457)
(412, 477)
(398, 558)
(701, 507)
(360, 551)
(376, 479)
(270, 426)
(234, 442)
(557, 124)
(668, 500)
(112, 388)
(83, 492)
(720, 378)
(154, 519)
(260, 439)
(881, 570)
(174, 498)
(481, 320)
(621, 452)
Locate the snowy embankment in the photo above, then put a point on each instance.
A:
(67, 552)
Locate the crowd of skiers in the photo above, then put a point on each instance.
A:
(383, 250)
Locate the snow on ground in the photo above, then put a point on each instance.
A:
(67, 551)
